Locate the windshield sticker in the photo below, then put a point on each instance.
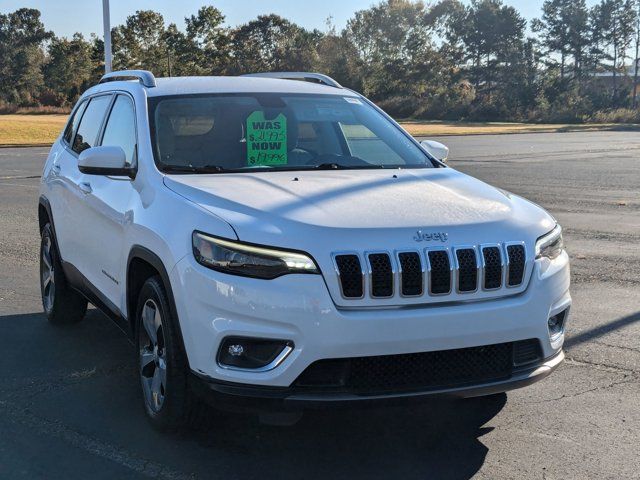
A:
(355, 101)
(267, 140)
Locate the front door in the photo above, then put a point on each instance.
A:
(107, 209)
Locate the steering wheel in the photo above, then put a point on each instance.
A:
(308, 151)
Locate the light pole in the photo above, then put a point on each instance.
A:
(107, 35)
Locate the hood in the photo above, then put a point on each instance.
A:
(287, 208)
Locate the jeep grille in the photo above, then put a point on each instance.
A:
(432, 272)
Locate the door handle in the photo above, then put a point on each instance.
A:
(85, 187)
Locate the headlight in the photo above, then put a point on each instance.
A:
(248, 260)
(550, 245)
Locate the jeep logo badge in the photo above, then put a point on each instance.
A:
(421, 236)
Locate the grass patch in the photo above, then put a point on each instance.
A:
(42, 129)
(21, 129)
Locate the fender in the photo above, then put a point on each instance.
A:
(44, 202)
(143, 253)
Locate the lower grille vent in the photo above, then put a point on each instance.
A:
(526, 352)
(411, 372)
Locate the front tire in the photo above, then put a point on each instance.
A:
(162, 363)
(61, 303)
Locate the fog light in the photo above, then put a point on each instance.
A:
(235, 350)
(556, 324)
(257, 354)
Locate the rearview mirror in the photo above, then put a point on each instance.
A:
(108, 160)
(436, 149)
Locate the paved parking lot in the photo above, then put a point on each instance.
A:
(69, 399)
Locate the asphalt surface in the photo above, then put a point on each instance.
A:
(70, 404)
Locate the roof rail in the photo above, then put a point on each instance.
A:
(304, 76)
(145, 77)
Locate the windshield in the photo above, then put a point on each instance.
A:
(230, 133)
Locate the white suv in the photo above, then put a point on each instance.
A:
(277, 243)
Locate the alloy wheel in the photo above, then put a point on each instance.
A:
(47, 276)
(153, 360)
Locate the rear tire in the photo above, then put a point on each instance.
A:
(62, 304)
(162, 363)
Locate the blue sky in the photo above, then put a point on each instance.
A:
(65, 17)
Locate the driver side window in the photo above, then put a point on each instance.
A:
(121, 128)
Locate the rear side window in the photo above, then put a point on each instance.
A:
(87, 134)
(72, 126)
(121, 128)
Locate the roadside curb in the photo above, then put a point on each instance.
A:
(560, 131)
(25, 145)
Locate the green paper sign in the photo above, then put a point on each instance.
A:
(266, 140)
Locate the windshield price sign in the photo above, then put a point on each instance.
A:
(266, 140)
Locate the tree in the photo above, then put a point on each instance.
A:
(488, 39)
(139, 43)
(564, 29)
(396, 58)
(209, 41)
(339, 58)
(272, 43)
(22, 35)
(70, 67)
(613, 24)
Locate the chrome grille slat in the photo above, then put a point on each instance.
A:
(436, 271)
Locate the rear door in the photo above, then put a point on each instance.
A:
(58, 183)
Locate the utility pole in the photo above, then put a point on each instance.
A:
(635, 72)
(107, 36)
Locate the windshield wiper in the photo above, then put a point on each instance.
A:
(330, 166)
(191, 169)
(340, 166)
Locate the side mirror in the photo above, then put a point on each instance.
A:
(108, 160)
(436, 149)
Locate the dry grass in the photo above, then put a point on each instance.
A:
(30, 129)
(42, 129)
(41, 110)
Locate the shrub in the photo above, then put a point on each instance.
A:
(619, 115)
(399, 106)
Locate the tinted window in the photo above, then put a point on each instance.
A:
(90, 124)
(121, 127)
(73, 123)
(222, 133)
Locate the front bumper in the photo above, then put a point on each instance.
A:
(298, 308)
(239, 397)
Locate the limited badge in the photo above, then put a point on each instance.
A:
(266, 140)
